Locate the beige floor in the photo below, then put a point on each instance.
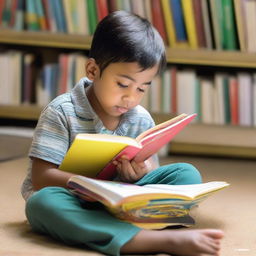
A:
(233, 210)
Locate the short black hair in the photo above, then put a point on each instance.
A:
(125, 37)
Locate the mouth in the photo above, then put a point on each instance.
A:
(121, 110)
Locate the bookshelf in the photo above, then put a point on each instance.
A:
(225, 140)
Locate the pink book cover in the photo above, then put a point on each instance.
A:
(150, 143)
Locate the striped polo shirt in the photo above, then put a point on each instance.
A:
(70, 114)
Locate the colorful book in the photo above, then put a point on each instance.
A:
(40, 14)
(233, 96)
(31, 16)
(230, 39)
(92, 15)
(240, 24)
(168, 19)
(207, 24)
(19, 15)
(102, 9)
(250, 15)
(59, 15)
(138, 7)
(178, 19)
(217, 23)
(190, 23)
(6, 13)
(83, 155)
(245, 98)
(152, 206)
(199, 23)
(158, 19)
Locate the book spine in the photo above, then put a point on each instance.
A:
(178, 19)
(169, 23)
(190, 23)
(92, 15)
(157, 18)
(229, 33)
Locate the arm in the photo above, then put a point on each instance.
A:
(47, 174)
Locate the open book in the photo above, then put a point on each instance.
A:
(92, 155)
(150, 206)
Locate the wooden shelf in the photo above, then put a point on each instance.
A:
(212, 58)
(175, 56)
(43, 39)
(25, 112)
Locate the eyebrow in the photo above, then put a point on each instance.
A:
(132, 79)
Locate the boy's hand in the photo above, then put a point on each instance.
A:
(131, 171)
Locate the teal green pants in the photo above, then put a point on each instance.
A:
(60, 214)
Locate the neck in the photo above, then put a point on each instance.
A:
(108, 121)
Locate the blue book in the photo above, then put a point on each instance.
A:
(178, 20)
(58, 10)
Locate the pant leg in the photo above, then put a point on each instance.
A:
(173, 174)
(55, 211)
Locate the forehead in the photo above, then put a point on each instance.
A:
(130, 69)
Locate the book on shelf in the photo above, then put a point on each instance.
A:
(178, 19)
(229, 27)
(190, 25)
(207, 23)
(240, 24)
(92, 16)
(92, 155)
(233, 96)
(199, 23)
(217, 22)
(250, 23)
(168, 19)
(158, 19)
(151, 206)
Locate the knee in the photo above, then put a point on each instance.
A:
(188, 174)
(39, 204)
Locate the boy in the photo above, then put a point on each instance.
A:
(126, 54)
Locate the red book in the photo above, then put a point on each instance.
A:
(2, 3)
(158, 19)
(47, 15)
(92, 155)
(102, 9)
(28, 91)
(233, 96)
(63, 63)
(112, 5)
(13, 12)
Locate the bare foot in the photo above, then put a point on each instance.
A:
(194, 242)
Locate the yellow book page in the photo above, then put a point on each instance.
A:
(190, 23)
(89, 153)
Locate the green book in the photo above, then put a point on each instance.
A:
(230, 40)
(227, 116)
(92, 15)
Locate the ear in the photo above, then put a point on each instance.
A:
(91, 69)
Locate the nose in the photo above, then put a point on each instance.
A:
(129, 97)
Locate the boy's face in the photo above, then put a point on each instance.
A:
(119, 88)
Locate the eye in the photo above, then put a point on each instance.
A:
(141, 90)
(122, 85)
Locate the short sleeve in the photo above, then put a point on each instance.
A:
(51, 138)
